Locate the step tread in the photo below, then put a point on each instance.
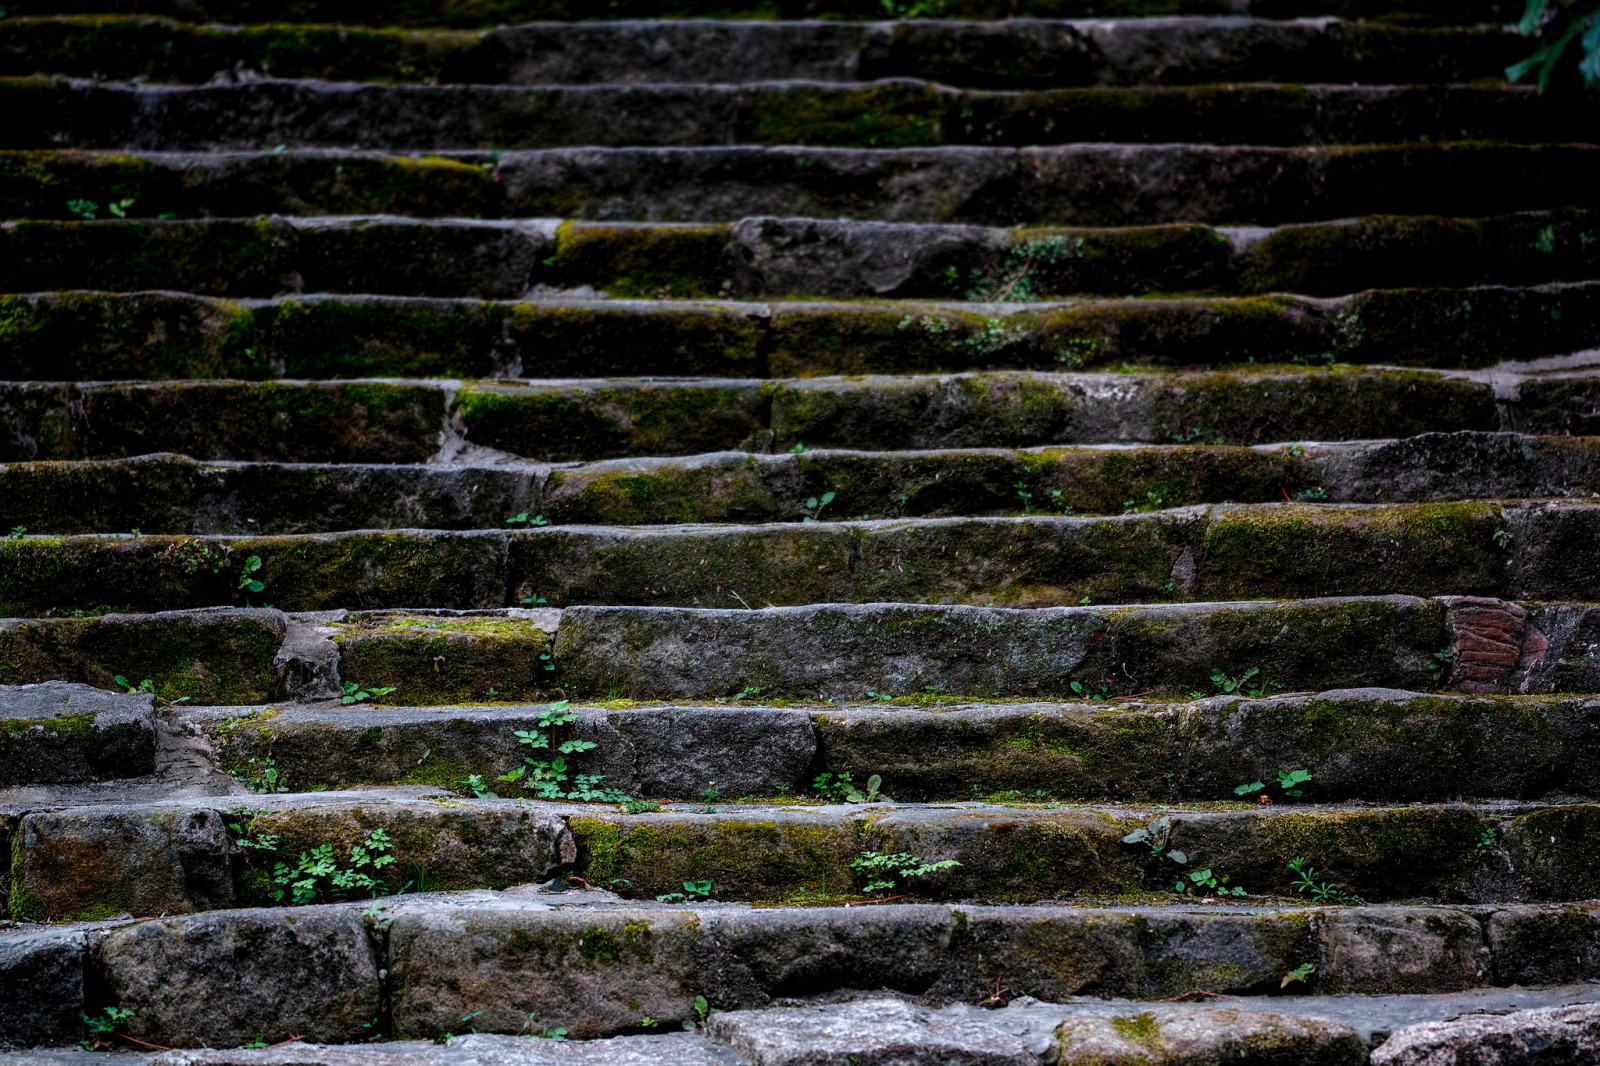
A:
(885, 114)
(1042, 52)
(1076, 185)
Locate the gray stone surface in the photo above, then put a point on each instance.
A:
(1192, 1036)
(1401, 949)
(841, 651)
(56, 732)
(41, 985)
(1552, 1036)
(869, 1033)
(223, 977)
(95, 862)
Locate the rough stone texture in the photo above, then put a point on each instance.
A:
(1400, 949)
(1069, 185)
(206, 656)
(651, 752)
(1545, 945)
(1553, 1035)
(1036, 53)
(41, 983)
(870, 1032)
(592, 973)
(55, 732)
(89, 863)
(891, 113)
(223, 977)
(437, 844)
(446, 658)
(842, 651)
(1183, 1036)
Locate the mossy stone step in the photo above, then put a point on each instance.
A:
(892, 113)
(1518, 550)
(172, 494)
(1023, 53)
(56, 733)
(1358, 744)
(1085, 185)
(771, 257)
(494, 12)
(829, 651)
(93, 862)
(593, 969)
(98, 336)
(395, 422)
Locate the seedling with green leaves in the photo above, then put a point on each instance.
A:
(317, 876)
(693, 892)
(103, 1025)
(884, 871)
(841, 789)
(149, 687)
(1251, 683)
(1205, 882)
(354, 692)
(1289, 782)
(527, 519)
(1157, 836)
(553, 778)
(1307, 884)
(812, 511)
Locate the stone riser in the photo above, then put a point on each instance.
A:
(1090, 185)
(90, 336)
(596, 970)
(840, 651)
(89, 863)
(447, 13)
(790, 257)
(1010, 54)
(889, 114)
(170, 494)
(1540, 550)
(1375, 745)
(418, 421)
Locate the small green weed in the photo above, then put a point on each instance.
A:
(526, 519)
(552, 778)
(358, 693)
(316, 876)
(839, 788)
(884, 871)
(693, 892)
(1307, 885)
(815, 505)
(1299, 975)
(1289, 782)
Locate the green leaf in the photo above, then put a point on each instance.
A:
(1254, 786)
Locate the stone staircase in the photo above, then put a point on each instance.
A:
(497, 511)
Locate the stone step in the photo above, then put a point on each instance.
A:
(89, 863)
(1470, 1026)
(90, 336)
(892, 113)
(1512, 549)
(446, 13)
(248, 656)
(56, 733)
(324, 974)
(1373, 745)
(1020, 54)
(1086, 185)
(173, 494)
(424, 421)
(769, 257)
